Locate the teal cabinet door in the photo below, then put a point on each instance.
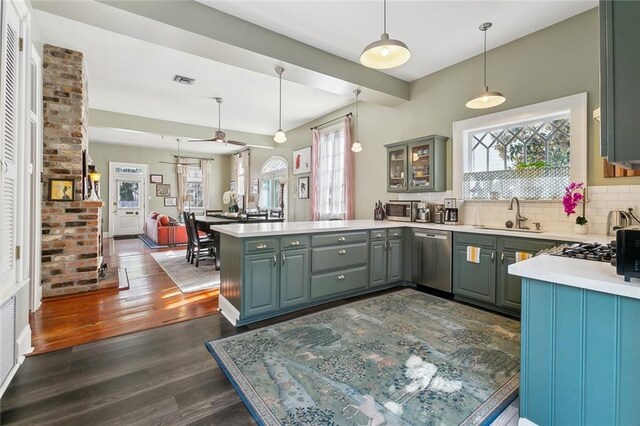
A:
(394, 258)
(474, 280)
(378, 263)
(261, 284)
(509, 286)
(295, 278)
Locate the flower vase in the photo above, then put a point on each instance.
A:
(580, 229)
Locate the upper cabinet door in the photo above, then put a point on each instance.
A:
(619, 83)
(421, 166)
(397, 169)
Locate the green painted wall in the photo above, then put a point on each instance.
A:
(557, 61)
(102, 154)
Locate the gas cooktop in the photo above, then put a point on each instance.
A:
(588, 251)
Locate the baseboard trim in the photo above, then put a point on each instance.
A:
(228, 310)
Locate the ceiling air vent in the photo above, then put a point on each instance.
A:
(183, 80)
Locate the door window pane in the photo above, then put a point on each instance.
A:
(128, 195)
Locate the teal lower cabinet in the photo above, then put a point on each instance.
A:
(378, 263)
(580, 356)
(385, 258)
(339, 282)
(294, 278)
(475, 281)
(261, 284)
(488, 283)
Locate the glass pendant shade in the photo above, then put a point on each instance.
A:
(486, 99)
(356, 147)
(280, 137)
(385, 53)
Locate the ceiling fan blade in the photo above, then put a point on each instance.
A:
(202, 140)
(236, 143)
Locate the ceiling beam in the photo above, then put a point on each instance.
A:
(115, 120)
(197, 29)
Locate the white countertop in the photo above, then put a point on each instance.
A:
(587, 274)
(249, 230)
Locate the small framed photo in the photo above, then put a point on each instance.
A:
(163, 190)
(303, 187)
(302, 161)
(155, 178)
(61, 189)
(170, 201)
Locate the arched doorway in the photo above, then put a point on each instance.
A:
(273, 171)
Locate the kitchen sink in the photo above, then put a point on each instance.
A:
(497, 228)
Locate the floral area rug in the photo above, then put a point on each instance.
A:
(185, 275)
(405, 358)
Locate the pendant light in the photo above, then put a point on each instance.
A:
(280, 137)
(356, 146)
(485, 99)
(385, 53)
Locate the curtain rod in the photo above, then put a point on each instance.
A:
(331, 121)
(194, 158)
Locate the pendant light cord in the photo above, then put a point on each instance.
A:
(384, 19)
(485, 57)
(357, 116)
(280, 104)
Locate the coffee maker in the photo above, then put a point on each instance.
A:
(450, 211)
(424, 213)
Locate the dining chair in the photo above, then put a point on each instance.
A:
(200, 244)
(185, 216)
(212, 212)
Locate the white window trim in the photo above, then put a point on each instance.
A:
(575, 105)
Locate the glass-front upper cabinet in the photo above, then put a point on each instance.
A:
(397, 169)
(417, 165)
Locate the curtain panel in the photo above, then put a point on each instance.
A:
(206, 198)
(181, 172)
(332, 173)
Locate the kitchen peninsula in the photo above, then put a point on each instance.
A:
(274, 268)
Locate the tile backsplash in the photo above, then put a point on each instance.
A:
(550, 214)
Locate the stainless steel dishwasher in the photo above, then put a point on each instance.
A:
(431, 260)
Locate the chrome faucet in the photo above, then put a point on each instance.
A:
(519, 218)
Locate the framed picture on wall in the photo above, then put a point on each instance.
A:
(170, 201)
(302, 161)
(155, 178)
(61, 189)
(303, 187)
(163, 190)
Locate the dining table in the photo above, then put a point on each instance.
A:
(203, 223)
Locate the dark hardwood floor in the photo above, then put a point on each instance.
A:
(163, 376)
(153, 300)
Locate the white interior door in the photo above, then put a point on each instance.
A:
(127, 195)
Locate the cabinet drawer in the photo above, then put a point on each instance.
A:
(261, 246)
(294, 242)
(395, 233)
(342, 238)
(338, 257)
(528, 245)
(475, 240)
(379, 235)
(324, 285)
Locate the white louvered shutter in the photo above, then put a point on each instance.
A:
(9, 145)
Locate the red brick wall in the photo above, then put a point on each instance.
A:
(70, 230)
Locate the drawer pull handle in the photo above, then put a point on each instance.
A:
(342, 252)
(341, 277)
(341, 239)
(261, 246)
(295, 243)
(493, 255)
(502, 258)
(395, 234)
(378, 235)
(275, 260)
(284, 258)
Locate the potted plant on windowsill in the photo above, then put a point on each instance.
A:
(576, 193)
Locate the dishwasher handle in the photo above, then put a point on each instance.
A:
(434, 236)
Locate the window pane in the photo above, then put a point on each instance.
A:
(128, 195)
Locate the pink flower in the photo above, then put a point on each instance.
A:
(572, 197)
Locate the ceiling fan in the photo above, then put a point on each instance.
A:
(220, 136)
(178, 162)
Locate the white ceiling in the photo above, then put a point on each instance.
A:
(135, 77)
(166, 142)
(438, 33)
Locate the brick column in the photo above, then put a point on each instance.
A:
(70, 230)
